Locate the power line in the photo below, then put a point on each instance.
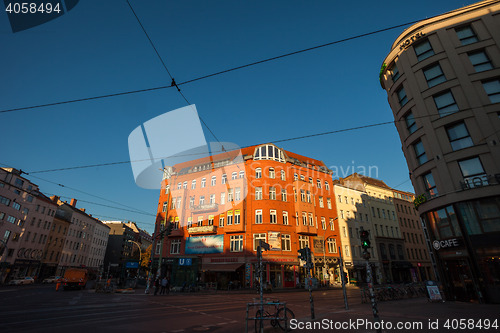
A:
(108, 206)
(271, 141)
(92, 195)
(213, 74)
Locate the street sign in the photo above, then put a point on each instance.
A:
(185, 261)
(132, 264)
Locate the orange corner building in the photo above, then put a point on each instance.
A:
(221, 206)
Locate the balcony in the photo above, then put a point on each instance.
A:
(306, 230)
(204, 208)
(206, 229)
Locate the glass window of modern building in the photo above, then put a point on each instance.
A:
(466, 35)
(459, 136)
(423, 50)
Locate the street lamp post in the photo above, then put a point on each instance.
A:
(140, 257)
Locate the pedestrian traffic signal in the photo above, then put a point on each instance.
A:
(364, 235)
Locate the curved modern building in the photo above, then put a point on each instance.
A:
(442, 77)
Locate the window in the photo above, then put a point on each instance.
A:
(200, 221)
(302, 195)
(327, 186)
(258, 173)
(167, 190)
(430, 185)
(434, 75)
(256, 240)
(241, 174)
(492, 88)
(283, 176)
(402, 98)
(175, 246)
(308, 196)
(283, 194)
(258, 216)
(304, 218)
(302, 177)
(321, 204)
(285, 218)
(445, 104)
(185, 185)
(329, 203)
(236, 243)
(258, 193)
(202, 200)
(473, 172)
(271, 173)
(332, 245)
(332, 226)
(311, 220)
(224, 179)
(318, 183)
(212, 199)
(237, 194)
(272, 193)
(323, 223)
(165, 204)
(286, 243)
(16, 206)
(203, 182)
(310, 180)
(423, 50)
(11, 219)
(273, 218)
(223, 198)
(480, 61)
(346, 251)
(179, 185)
(193, 184)
(466, 35)
(234, 175)
(459, 136)
(340, 198)
(303, 241)
(341, 214)
(295, 176)
(269, 152)
(221, 220)
(213, 180)
(237, 216)
(411, 125)
(395, 73)
(230, 217)
(420, 152)
(230, 195)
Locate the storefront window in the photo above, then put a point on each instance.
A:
(444, 223)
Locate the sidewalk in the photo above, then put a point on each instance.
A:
(415, 315)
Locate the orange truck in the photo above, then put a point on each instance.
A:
(75, 278)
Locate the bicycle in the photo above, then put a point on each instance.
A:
(279, 317)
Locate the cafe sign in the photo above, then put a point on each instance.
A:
(443, 244)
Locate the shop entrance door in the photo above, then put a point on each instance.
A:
(460, 281)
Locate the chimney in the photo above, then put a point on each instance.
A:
(55, 198)
(73, 202)
(82, 209)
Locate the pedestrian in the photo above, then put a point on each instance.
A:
(164, 283)
(58, 284)
(156, 285)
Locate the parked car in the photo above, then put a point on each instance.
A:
(51, 279)
(24, 280)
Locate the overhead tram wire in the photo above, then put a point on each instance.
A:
(89, 194)
(270, 141)
(210, 75)
(173, 83)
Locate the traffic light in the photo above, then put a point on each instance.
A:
(365, 239)
(303, 254)
(169, 228)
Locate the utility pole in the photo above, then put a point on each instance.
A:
(364, 235)
(305, 255)
(266, 246)
(342, 278)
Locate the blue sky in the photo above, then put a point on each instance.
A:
(98, 48)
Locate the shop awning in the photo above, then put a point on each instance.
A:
(232, 267)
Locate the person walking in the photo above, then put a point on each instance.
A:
(164, 283)
(156, 285)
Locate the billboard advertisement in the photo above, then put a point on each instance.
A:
(205, 244)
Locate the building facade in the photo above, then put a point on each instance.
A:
(222, 206)
(442, 77)
(389, 243)
(416, 243)
(353, 215)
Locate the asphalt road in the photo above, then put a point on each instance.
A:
(39, 308)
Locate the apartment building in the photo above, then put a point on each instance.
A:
(222, 206)
(442, 78)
